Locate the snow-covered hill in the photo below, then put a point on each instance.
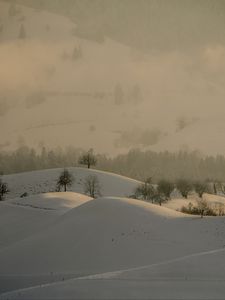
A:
(50, 238)
(23, 217)
(105, 235)
(61, 201)
(44, 181)
(58, 89)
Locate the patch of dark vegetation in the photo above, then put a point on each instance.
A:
(203, 209)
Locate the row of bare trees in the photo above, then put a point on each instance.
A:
(156, 193)
(91, 183)
(162, 191)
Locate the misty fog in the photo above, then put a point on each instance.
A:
(113, 75)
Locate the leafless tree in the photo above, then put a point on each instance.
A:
(92, 186)
(3, 189)
(89, 159)
(202, 206)
(145, 190)
(149, 192)
(220, 186)
(22, 33)
(165, 188)
(200, 188)
(65, 179)
(184, 187)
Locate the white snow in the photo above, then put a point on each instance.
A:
(67, 245)
(199, 276)
(178, 203)
(134, 247)
(22, 217)
(60, 202)
(44, 181)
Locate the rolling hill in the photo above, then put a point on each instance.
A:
(105, 235)
(44, 181)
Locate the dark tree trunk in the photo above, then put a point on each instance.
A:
(64, 187)
(215, 190)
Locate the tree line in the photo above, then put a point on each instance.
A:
(162, 191)
(135, 164)
(151, 189)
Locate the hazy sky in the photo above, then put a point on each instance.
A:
(113, 75)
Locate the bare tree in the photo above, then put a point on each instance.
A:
(215, 188)
(202, 206)
(3, 189)
(200, 188)
(89, 159)
(220, 186)
(165, 188)
(65, 179)
(184, 187)
(146, 190)
(159, 197)
(77, 53)
(22, 32)
(92, 186)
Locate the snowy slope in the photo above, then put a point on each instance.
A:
(200, 276)
(212, 200)
(105, 235)
(23, 217)
(17, 222)
(45, 181)
(60, 202)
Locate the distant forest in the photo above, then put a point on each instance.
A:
(97, 19)
(135, 164)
